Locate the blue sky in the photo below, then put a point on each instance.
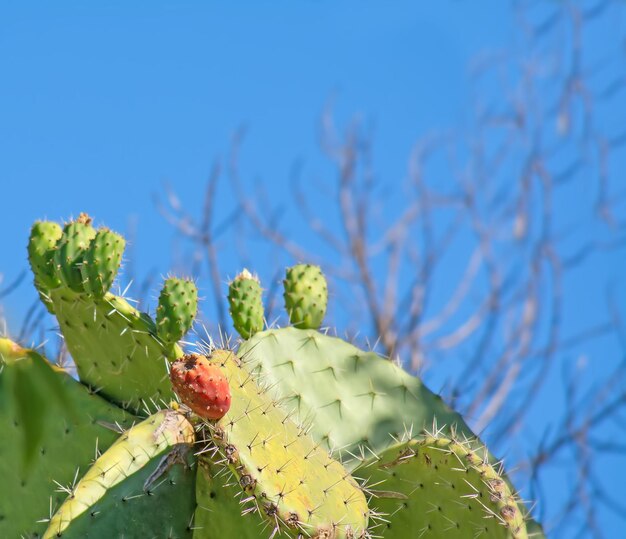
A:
(100, 105)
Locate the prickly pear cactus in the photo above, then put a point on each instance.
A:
(249, 451)
(249, 473)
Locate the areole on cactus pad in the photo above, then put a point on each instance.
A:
(264, 441)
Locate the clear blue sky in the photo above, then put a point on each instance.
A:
(101, 103)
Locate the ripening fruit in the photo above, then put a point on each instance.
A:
(201, 385)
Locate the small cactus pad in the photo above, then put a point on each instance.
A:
(44, 236)
(201, 385)
(246, 306)
(178, 304)
(70, 251)
(138, 463)
(438, 487)
(101, 262)
(284, 474)
(359, 400)
(46, 417)
(306, 296)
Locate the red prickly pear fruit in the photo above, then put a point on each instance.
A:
(201, 385)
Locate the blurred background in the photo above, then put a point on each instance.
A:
(456, 168)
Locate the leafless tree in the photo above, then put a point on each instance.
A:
(470, 270)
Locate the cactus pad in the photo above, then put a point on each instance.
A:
(45, 416)
(306, 296)
(177, 308)
(284, 475)
(133, 482)
(218, 513)
(115, 347)
(359, 401)
(246, 306)
(438, 487)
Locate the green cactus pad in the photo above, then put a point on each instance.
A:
(115, 348)
(306, 296)
(246, 306)
(45, 417)
(438, 487)
(359, 400)
(43, 239)
(101, 262)
(141, 486)
(70, 251)
(178, 304)
(284, 474)
(218, 512)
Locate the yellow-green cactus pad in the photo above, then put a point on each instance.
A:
(283, 474)
(142, 486)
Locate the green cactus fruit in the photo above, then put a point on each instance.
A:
(101, 262)
(306, 296)
(178, 304)
(246, 306)
(141, 486)
(439, 487)
(71, 249)
(41, 246)
(45, 417)
(284, 475)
